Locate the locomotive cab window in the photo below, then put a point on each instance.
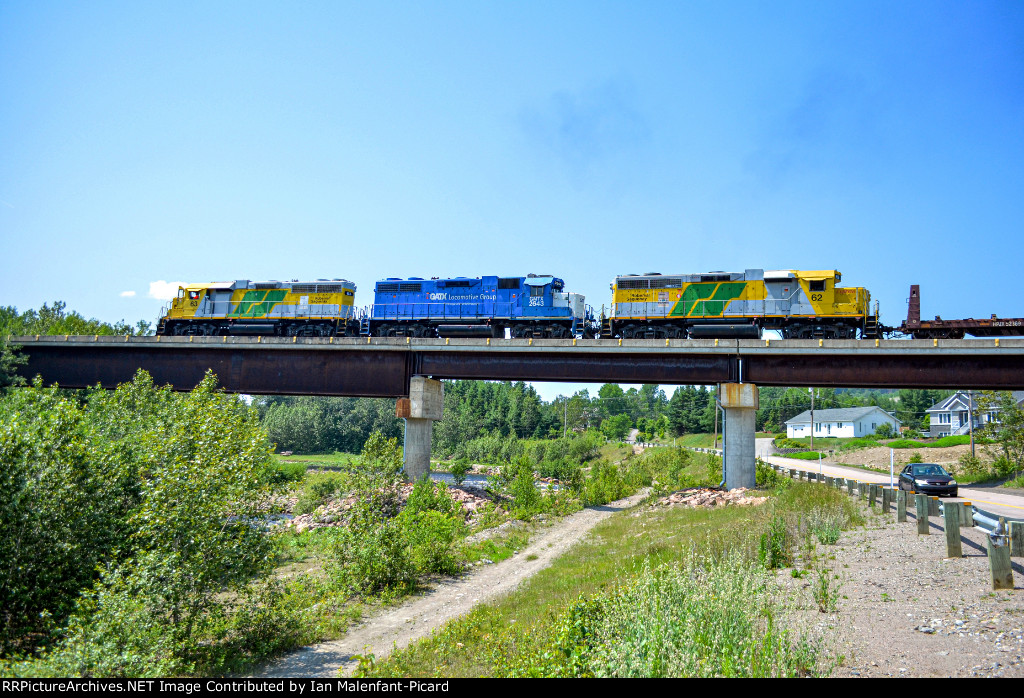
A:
(193, 295)
(817, 286)
(536, 291)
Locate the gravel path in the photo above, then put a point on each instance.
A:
(907, 611)
(445, 600)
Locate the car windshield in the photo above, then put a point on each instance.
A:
(929, 470)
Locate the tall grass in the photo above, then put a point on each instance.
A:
(699, 618)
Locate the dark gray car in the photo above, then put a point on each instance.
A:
(928, 478)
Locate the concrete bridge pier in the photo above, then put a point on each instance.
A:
(739, 403)
(423, 407)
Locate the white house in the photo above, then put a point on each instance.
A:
(843, 422)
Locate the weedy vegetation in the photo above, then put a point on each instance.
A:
(655, 592)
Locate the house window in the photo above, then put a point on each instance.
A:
(944, 417)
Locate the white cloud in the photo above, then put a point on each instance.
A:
(164, 290)
(127, 294)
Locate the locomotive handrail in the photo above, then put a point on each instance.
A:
(219, 311)
(408, 311)
(243, 309)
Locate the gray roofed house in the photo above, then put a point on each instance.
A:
(949, 417)
(843, 422)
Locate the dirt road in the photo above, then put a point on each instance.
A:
(446, 600)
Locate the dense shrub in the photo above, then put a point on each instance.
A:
(287, 473)
(459, 469)
(946, 441)
(427, 495)
(765, 476)
(431, 538)
(382, 551)
(320, 488)
(970, 465)
(606, 483)
(808, 455)
(154, 498)
(670, 469)
(905, 443)
(371, 553)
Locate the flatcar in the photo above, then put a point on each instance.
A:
(535, 305)
(319, 308)
(798, 304)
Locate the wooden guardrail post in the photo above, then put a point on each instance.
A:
(901, 506)
(966, 515)
(849, 486)
(1016, 539)
(951, 516)
(872, 495)
(886, 499)
(933, 506)
(999, 557)
(922, 506)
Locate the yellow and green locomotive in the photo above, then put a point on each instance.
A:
(321, 308)
(798, 304)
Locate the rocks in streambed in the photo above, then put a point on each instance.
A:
(334, 512)
(705, 497)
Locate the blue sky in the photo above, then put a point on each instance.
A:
(145, 142)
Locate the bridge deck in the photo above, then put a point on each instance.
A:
(383, 366)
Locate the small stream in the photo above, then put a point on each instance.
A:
(471, 480)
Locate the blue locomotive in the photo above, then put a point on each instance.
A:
(485, 306)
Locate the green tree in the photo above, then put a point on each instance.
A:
(53, 319)
(56, 319)
(9, 362)
(613, 399)
(1007, 429)
(616, 428)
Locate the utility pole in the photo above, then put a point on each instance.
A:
(811, 391)
(714, 444)
(970, 417)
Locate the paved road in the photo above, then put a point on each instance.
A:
(988, 498)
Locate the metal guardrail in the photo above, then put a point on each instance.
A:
(997, 527)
